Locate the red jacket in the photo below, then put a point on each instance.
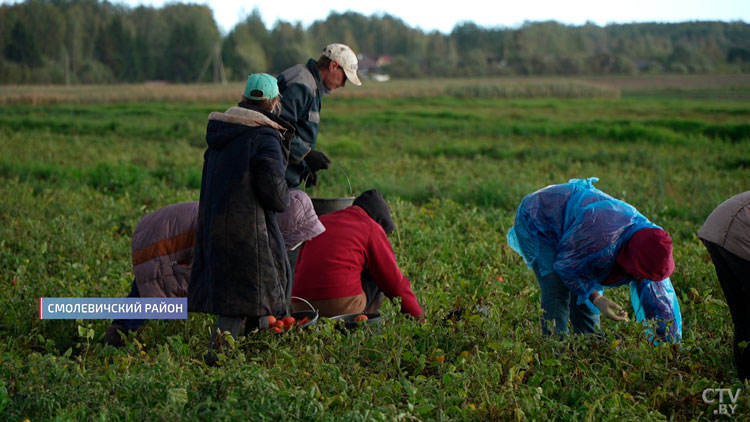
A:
(330, 265)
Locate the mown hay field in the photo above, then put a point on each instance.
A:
(728, 86)
(77, 174)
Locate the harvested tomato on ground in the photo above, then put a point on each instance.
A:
(359, 318)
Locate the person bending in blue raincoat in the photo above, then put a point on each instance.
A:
(578, 240)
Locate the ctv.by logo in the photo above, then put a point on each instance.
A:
(709, 397)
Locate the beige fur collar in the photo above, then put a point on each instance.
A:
(243, 116)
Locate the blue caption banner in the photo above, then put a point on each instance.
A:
(113, 308)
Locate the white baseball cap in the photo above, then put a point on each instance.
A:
(345, 57)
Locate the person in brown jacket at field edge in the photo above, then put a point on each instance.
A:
(726, 234)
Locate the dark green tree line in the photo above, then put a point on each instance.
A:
(90, 41)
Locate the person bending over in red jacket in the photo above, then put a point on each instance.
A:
(351, 266)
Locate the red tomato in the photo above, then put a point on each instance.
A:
(277, 329)
(303, 321)
(359, 318)
(278, 324)
(271, 320)
(288, 321)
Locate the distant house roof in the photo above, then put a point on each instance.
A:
(384, 60)
(366, 63)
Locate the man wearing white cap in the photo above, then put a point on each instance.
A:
(302, 86)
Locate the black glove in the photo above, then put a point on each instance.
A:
(316, 160)
(312, 179)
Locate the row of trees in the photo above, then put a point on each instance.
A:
(87, 41)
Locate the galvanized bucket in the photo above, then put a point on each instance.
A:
(328, 205)
(312, 314)
(324, 206)
(349, 320)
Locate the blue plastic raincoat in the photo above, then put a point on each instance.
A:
(577, 231)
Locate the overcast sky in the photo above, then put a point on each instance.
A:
(443, 16)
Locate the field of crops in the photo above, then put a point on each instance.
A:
(76, 175)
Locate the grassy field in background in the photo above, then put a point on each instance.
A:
(79, 171)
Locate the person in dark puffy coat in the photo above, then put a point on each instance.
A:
(578, 240)
(240, 270)
(726, 235)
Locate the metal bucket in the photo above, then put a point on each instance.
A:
(324, 206)
(328, 205)
(349, 320)
(312, 314)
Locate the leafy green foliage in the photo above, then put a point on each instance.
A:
(76, 179)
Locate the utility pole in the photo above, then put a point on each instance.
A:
(218, 66)
(67, 68)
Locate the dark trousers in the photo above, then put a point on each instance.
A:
(369, 301)
(560, 305)
(131, 324)
(375, 296)
(734, 276)
(235, 326)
